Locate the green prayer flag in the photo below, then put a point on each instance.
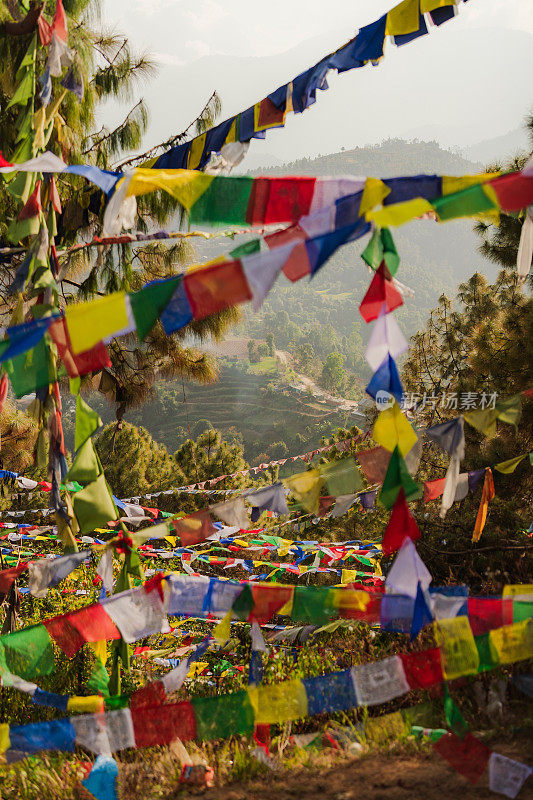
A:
(488, 657)
(466, 203)
(31, 370)
(342, 477)
(86, 467)
(223, 716)
(27, 653)
(380, 248)
(246, 249)
(148, 304)
(94, 506)
(396, 478)
(509, 409)
(243, 605)
(225, 202)
(98, 682)
(522, 610)
(313, 604)
(87, 422)
(454, 718)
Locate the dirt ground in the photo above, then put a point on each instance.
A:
(378, 777)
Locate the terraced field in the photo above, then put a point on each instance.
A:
(239, 403)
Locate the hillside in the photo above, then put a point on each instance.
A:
(269, 420)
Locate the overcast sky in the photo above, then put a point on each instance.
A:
(246, 48)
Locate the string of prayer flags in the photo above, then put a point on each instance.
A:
(403, 23)
(487, 495)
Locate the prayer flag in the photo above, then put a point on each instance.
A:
(91, 360)
(386, 339)
(214, 288)
(401, 525)
(392, 430)
(306, 488)
(148, 304)
(487, 495)
(467, 756)
(341, 477)
(101, 319)
(381, 291)
(87, 422)
(386, 383)
(397, 476)
(380, 248)
(94, 506)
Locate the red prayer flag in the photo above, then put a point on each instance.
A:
(467, 756)
(486, 613)
(268, 600)
(274, 200)
(215, 288)
(374, 463)
(7, 576)
(159, 725)
(194, 528)
(59, 23)
(297, 265)
(4, 163)
(422, 670)
(402, 526)
(380, 291)
(32, 207)
(81, 363)
(514, 191)
(4, 388)
(153, 694)
(71, 631)
(292, 234)
(269, 114)
(433, 489)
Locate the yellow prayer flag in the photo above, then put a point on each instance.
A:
(280, 702)
(452, 184)
(513, 642)
(350, 599)
(519, 591)
(5, 743)
(232, 134)
(94, 704)
(196, 151)
(222, 631)
(99, 649)
(392, 429)
(509, 466)
(458, 651)
(382, 730)
(186, 185)
(399, 213)
(89, 323)
(374, 193)
(197, 667)
(306, 488)
(348, 576)
(483, 420)
(287, 608)
(403, 18)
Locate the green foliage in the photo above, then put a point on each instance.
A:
(333, 376)
(134, 464)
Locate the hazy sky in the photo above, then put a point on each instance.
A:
(246, 48)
